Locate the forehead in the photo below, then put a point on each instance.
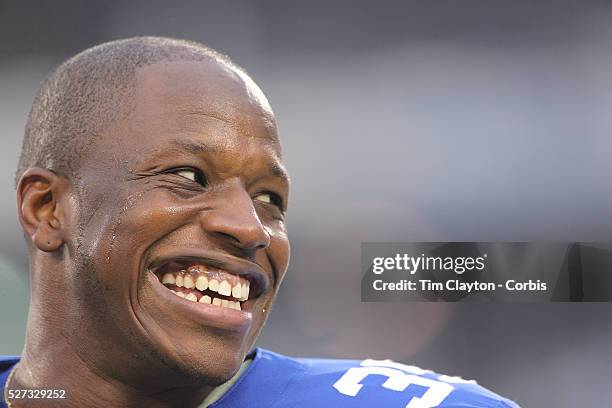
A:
(209, 88)
(204, 102)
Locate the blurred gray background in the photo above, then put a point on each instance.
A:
(414, 120)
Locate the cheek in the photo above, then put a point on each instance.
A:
(118, 241)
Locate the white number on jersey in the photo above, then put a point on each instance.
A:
(399, 377)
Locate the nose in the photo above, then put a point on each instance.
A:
(233, 220)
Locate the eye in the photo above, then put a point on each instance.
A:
(192, 174)
(270, 198)
(265, 198)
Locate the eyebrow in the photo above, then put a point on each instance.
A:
(277, 170)
(199, 147)
(194, 147)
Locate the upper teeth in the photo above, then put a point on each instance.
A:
(188, 282)
(201, 283)
(237, 291)
(195, 280)
(168, 279)
(225, 288)
(213, 285)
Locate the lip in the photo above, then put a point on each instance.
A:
(210, 315)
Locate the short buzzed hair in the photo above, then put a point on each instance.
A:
(91, 91)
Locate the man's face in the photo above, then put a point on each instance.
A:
(189, 190)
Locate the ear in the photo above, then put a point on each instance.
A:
(38, 196)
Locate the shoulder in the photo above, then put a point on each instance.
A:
(6, 365)
(298, 382)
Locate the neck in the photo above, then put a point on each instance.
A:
(60, 368)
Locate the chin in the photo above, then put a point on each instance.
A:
(211, 362)
(201, 343)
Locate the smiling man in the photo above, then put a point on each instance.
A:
(152, 194)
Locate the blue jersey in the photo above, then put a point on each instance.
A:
(276, 381)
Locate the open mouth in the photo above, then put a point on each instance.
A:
(201, 283)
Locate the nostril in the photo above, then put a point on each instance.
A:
(250, 241)
(240, 228)
(228, 237)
